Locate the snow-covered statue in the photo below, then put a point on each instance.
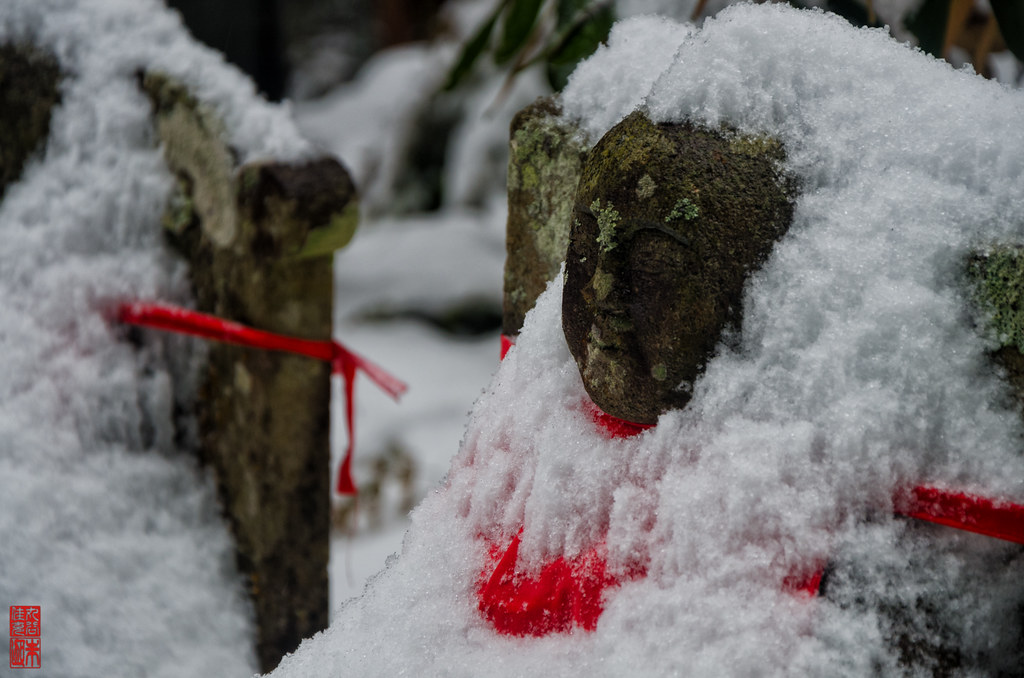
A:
(668, 223)
(763, 526)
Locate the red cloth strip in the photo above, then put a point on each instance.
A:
(565, 593)
(507, 343)
(343, 361)
(613, 426)
(1002, 520)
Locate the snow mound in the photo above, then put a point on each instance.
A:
(858, 370)
(106, 522)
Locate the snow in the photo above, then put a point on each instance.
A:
(106, 525)
(372, 122)
(858, 370)
(403, 264)
(368, 122)
(398, 267)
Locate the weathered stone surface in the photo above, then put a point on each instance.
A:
(258, 240)
(545, 159)
(668, 222)
(997, 280)
(29, 90)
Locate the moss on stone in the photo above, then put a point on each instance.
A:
(335, 234)
(998, 277)
(645, 187)
(196, 150)
(755, 146)
(607, 223)
(631, 148)
(602, 284)
(659, 372)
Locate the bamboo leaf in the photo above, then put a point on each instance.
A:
(854, 12)
(1010, 16)
(582, 38)
(959, 10)
(567, 11)
(519, 22)
(929, 25)
(472, 50)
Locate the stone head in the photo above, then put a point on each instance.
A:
(668, 222)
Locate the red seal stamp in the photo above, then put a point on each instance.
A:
(26, 636)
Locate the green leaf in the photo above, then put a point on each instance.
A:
(855, 13)
(519, 21)
(472, 51)
(1010, 17)
(929, 25)
(558, 76)
(582, 38)
(567, 11)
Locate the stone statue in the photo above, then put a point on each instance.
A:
(668, 222)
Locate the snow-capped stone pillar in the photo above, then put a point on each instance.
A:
(258, 239)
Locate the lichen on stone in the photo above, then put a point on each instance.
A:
(659, 372)
(181, 209)
(998, 287)
(755, 145)
(258, 238)
(602, 283)
(194, 147)
(607, 222)
(545, 156)
(685, 209)
(645, 187)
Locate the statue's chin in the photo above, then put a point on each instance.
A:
(612, 379)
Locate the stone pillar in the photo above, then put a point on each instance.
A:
(29, 81)
(258, 239)
(546, 154)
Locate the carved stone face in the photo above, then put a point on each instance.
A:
(668, 222)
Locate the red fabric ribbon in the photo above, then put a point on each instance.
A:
(566, 592)
(342, 360)
(1002, 520)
